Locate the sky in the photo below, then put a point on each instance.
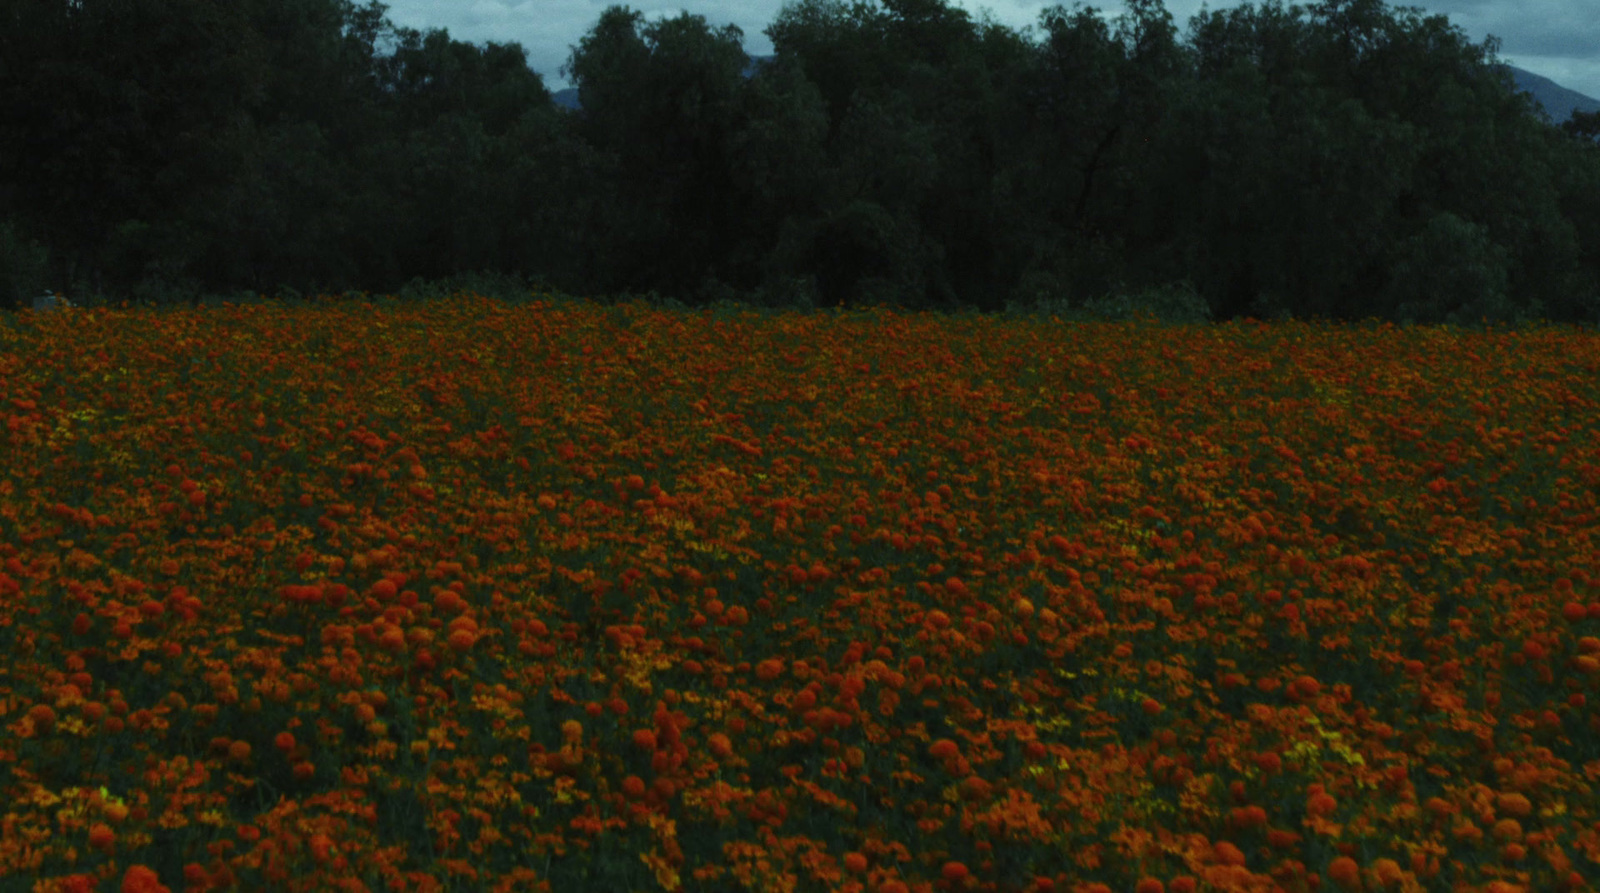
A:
(1559, 39)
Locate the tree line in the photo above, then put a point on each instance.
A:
(1343, 161)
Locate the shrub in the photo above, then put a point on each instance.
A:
(1174, 303)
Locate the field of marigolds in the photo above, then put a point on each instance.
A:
(479, 595)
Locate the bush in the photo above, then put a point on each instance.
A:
(1450, 271)
(1174, 303)
(509, 287)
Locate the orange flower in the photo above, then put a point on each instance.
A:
(855, 862)
(954, 872)
(393, 639)
(1388, 871)
(1514, 804)
(283, 741)
(1507, 829)
(633, 786)
(1345, 872)
(1305, 687)
(572, 731)
(101, 837)
(1321, 804)
(1248, 817)
(1149, 885)
(1227, 853)
(140, 879)
(644, 739)
(943, 749)
(721, 746)
(44, 718)
(1278, 838)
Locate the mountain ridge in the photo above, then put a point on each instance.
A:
(1555, 102)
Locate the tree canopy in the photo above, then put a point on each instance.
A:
(1345, 160)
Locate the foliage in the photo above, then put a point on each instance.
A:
(1333, 161)
(22, 267)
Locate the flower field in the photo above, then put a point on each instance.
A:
(472, 595)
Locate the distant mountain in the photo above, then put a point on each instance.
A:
(1557, 102)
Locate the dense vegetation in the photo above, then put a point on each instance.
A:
(466, 595)
(1345, 161)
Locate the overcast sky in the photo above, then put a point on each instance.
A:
(1559, 39)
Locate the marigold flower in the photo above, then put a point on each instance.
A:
(1388, 871)
(102, 837)
(1248, 816)
(855, 862)
(954, 872)
(140, 879)
(1507, 829)
(1227, 853)
(1321, 804)
(1513, 804)
(1345, 872)
(645, 739)
(1149, 885)
(1306, 686)
(1280, 839)
(44, 718)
